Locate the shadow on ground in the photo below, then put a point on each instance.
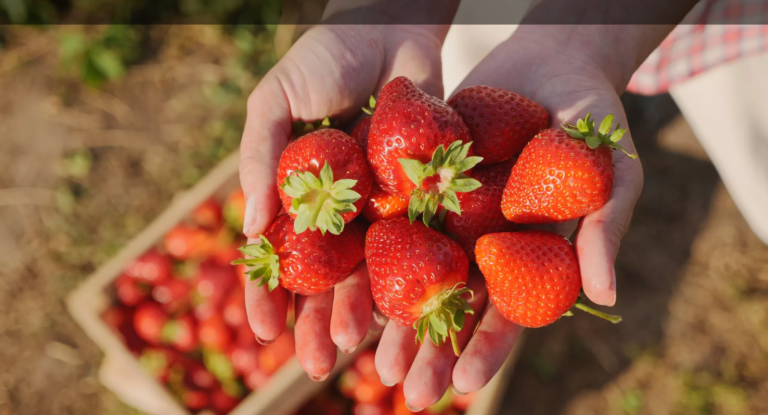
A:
(583, 353)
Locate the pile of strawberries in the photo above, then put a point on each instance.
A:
(181, 310)
(474, 169)
(358, 391)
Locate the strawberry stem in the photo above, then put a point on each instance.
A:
(613, 319)
(454, 342)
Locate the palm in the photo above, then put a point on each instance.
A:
(330, 71)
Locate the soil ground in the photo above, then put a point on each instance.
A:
(82, 170)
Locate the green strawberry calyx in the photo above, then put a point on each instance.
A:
(301, 127)
(263, 264)
(438, 181)
(319, 202)
(443, 316)
(587, 309)
(585, 130)
(371, 106)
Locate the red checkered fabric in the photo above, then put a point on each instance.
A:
(740, 29)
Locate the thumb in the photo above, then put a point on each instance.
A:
(599, 235)
(266, 134)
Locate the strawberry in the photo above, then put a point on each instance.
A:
(563, 174)
(419, 148)
(244, 335)
(234, 309)
(120, 319)
(256, 378)
(130, 291)
(533, 277)
(181, 333)
(365, 363)
(500, 122)
(185, 242)
(198, 376)
(360, 133)
(148, 321)
(481, 209)
(234, 209)
(194, 399)
(306, 264)
(416, 278)
(213, 333)
(210, 287)
(323, 180)
(355, 386)
(380, 205)
(208, 214)
(222, 402)
(173, 294)
(151, 268)
(244, 359)
(379, 408)
(274, 355)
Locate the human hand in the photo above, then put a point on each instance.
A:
(569, 81)
(330, 71)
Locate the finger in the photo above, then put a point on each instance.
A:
(265, 136)
(599, 235)
(430, 374)
(378, 322)
(486, 351)
(352, 307)
(266, 310)
(395, 353)
(315, 350)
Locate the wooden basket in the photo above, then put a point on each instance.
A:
(121, 372)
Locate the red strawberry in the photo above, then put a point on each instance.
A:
(194, 399)
(185, 242)
(419, 148)
(380, 205)
(500, 122)
(148, 321)
(244, 359)
(198, 376)
(173, 295)
(221, 402)
(256, 379)
(273, 356)
(481, 209)
(214, 333)
(355, 386)
(181, 333)
(151, 268)
(380, 408)
(244, 335)
(130, 291)
(360, 133)
(533, 277)
(306, 264)
(365, 363)
(234, 309)
(323, 180)
(120, 319)
(234, 209)
(208, 214)
(210, 288)
(562, 174)
(415, 275)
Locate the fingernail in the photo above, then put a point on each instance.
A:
(264, 342)
(412, 408)
(348, 351)
(319, 378)
(250, 215)
(387, 384)
(457, 392)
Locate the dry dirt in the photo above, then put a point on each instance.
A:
(83, 170)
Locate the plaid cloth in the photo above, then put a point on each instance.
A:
(713, 33)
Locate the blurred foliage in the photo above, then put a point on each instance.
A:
(705, 394)
(141, 11)
(632, 401)
(100, 57)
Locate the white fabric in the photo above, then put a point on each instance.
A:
(727, 109)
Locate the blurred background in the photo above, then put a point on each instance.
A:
(101, 125)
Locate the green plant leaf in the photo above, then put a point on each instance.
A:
(593, 142)
(451, 202)
(465, 185)
(414, 169)
(606, 125)
(107, 62)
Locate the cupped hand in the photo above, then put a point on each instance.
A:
(569, 82)
(330, 71)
